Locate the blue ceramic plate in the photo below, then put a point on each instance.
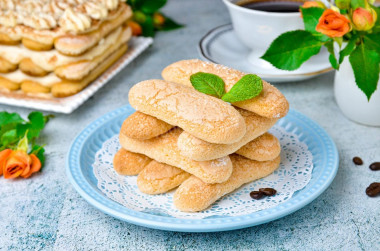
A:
(90, 140)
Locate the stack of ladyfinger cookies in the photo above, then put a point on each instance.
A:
(180, 137)
(55, 48)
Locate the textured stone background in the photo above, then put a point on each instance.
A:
(45, 212)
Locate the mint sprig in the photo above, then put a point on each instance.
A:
(248, 87)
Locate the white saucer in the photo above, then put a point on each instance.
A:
(220, 45)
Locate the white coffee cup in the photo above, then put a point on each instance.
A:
(257, 29)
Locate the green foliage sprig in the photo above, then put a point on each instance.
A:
(146, 13)
(355, 22)
(14, 129)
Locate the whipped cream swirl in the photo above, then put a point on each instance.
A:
(72, 15)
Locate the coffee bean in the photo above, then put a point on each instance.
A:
(375, 166)
(256, 195)
(358, 161)
(268, 191)
(373, 190)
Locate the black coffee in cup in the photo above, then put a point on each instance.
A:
(271, 5)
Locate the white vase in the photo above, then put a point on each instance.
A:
(352, 101)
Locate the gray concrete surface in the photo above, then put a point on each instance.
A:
(46, 213)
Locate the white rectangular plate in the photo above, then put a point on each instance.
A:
(67, 105)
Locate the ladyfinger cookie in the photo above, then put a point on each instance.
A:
(142, 126)
(200, 150)
(270, 103)
(129, 163)
(266, 147)
(201, 115)
(194, 195)
(164, 149)
(158, 178)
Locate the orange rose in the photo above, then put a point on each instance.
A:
(3, 156)
(18, 163)
(333, 24)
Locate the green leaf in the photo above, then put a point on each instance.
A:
(22, 128)
(135, 4)
(376, 27)
(365, 64)
(246, 88)
(372, 42)
(208, 83)
(39, 151)
(348, 49)
(151, 6)
(169, 24)
(10, 118)
(9, 137)
(311, 17)
(148, 27)
(330, 47)
(8, 121)
(48, 117)
(37, 123)
(291, 49)
(357, 3)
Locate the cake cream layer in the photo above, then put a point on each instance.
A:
(99, 28)
(49, 60)
(49, 80)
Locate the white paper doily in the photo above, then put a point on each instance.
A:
(293, 174)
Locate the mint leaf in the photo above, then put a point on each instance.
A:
(39, 152)
(291, 49)
(372, 42)
(330, 47)
(365, 64)
(151, 6)
(208, 83)
(246, 88)
(348, 49)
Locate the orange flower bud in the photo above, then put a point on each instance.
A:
(309, 4)
(158, 19)
(135, 27)
(364, 19)
(18, 164)
(333, 24)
